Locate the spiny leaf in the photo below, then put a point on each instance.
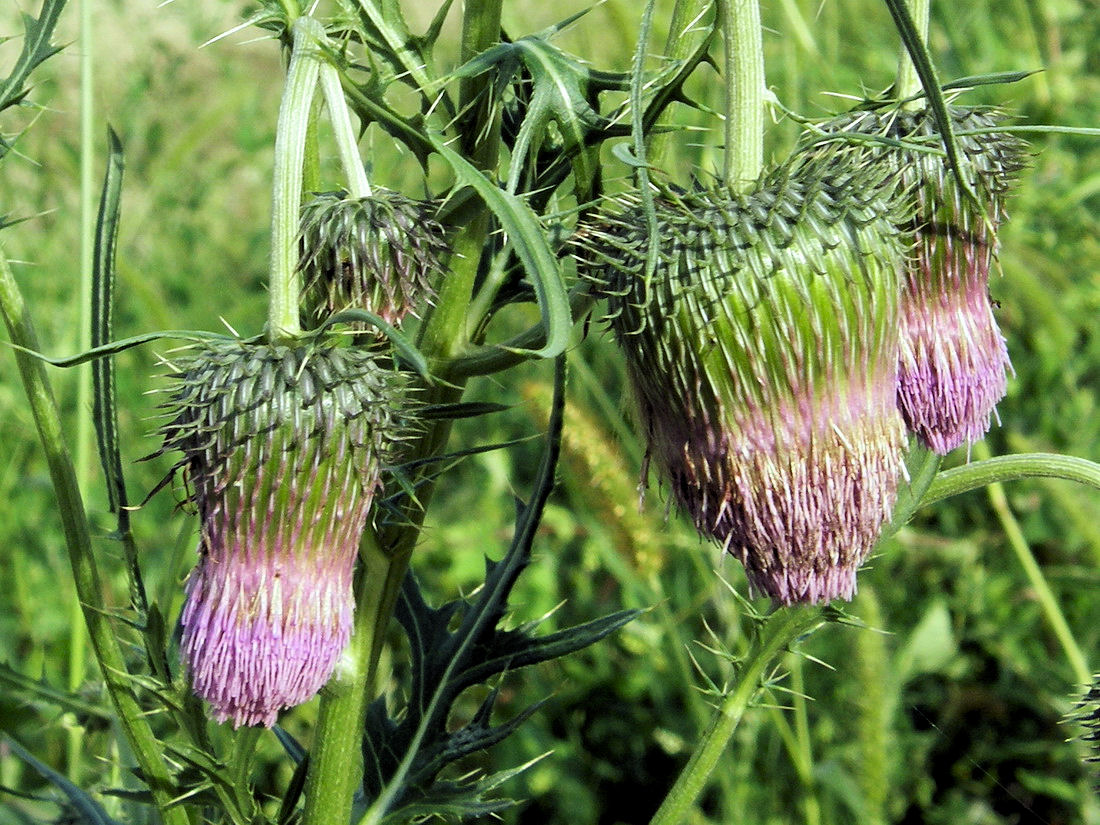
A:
(527, 238)
(36, 48)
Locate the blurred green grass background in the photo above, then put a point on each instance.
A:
(950, 715)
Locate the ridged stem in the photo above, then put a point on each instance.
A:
(335, 768)
(336, 760)
(744, 78)
(290, 140)
(773, 638)
(907, 83)
(358, 184)
(117, 680)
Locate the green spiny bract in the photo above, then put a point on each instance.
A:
(953, 357)
(380, 253)
(763, 354)
(282, 453)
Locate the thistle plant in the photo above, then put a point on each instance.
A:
(953, 360)
(282, 454)
(778, 326)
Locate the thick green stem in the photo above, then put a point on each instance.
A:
(83, 374)
(908, 84)
(290, 141)
(358, 185)
(773, 638)
(146, 749)
(336, 761)
(744, 76)
(446, 331)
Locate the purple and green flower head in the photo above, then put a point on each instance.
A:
(282, 450)
(954, 363)
(763, 353)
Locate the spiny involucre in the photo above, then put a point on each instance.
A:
(763, 353)
(282, 449)
(380, 253)
(954, 361)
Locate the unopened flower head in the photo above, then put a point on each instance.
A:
(953, 356)
(281, 450)
(380, 253)
(763, 353)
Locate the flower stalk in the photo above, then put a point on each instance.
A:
(329, 791)
(744, 70)
(290, 142)
(776, 636)
(908, 83)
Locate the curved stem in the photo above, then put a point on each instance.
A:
(744, 70)
(117, 680)
(358, 184)
(772, 639)
(1009, 468)
(908, 84)
(290, 140)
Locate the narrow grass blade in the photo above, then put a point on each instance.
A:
(90, 811)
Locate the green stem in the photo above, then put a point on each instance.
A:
(358, 185)
(447, 328)
(147, 751)
(780, 631)
(290, 140)
(336, 761)
(1052, 612)
(811, 806)
(679, 46)
(744, 70)
(77, 635)
(1010, 468)
(908, 83)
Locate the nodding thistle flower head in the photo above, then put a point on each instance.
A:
(282, 450)
(953, 357)
(379, 253)
(763, 353)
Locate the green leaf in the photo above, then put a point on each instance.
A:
(88, 809)
(38, 32)
(32, 690)
(453, 647)
(525, 233)
(104, 412)
(930, 646)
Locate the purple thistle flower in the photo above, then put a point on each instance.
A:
(282, 451)
(953, 357)
(763, 352)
